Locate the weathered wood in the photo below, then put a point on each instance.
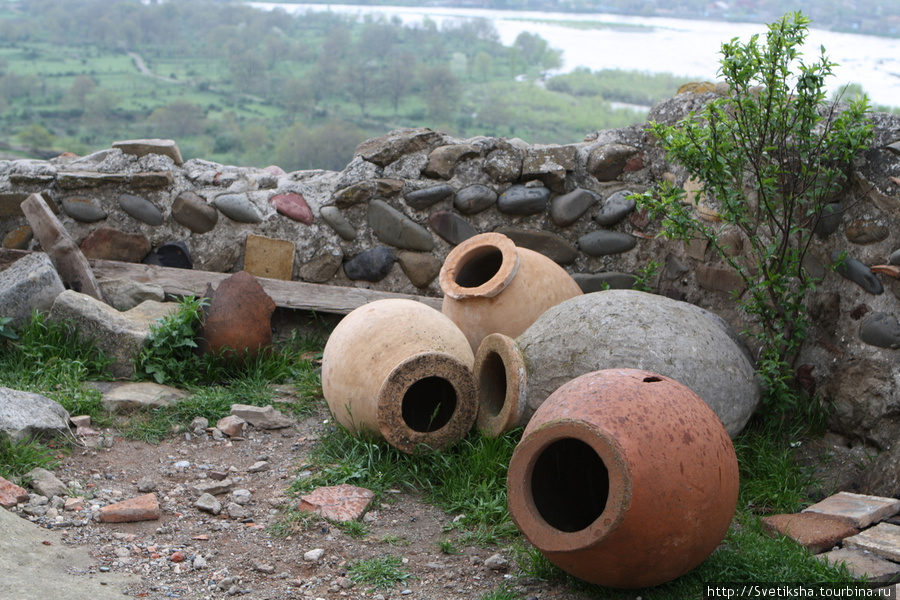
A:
(70, 263)
(287, 294)
(8, 257)
(891, 270)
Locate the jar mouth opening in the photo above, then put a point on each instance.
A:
(480, 267)
(569, 486)
(502, 383)
(427, 402)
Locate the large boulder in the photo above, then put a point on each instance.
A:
(120, 335)
(24, 415)
(31, 283)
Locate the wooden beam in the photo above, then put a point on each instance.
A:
(288, 294)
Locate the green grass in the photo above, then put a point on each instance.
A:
(468, 478)
(48, 358)
(18, 458)
(378, 573)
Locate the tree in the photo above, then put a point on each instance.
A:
(361, 81)
(36, 137)
(329, 146)
(481, 65)
(442, 91)
(178, 119)
(769, 157)
(397, 77)
(81, 86)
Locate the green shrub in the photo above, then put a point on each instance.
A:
(769, 158)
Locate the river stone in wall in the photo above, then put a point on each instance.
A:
(631, 329)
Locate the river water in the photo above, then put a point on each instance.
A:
(660, 45)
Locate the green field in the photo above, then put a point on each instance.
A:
(248, 87)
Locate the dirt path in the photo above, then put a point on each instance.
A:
(192, 554)
(142, 67)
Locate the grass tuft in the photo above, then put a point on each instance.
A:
(18, 458)
(379, 573)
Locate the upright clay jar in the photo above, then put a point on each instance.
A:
(624, 478)
(492, 286)
(402, 371)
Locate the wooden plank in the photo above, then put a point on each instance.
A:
(8, 257)
(288, 294)
(70, 263)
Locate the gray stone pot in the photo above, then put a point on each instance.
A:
(610, 330)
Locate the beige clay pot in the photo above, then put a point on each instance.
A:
(402, 371)
(492, 286)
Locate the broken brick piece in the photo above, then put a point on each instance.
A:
(339, 503)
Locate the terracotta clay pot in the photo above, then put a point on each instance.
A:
(237, 321)
(492, 286)
(615, 329)
(624, 478)
(402, 371)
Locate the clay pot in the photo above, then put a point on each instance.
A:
(615, 329)
(624, 478)
(238, 320)
(402, 371)
(492, 286)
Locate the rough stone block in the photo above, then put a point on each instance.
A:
(814, 531)
(883, 540)
(863, 564)
(25, 414)
(120, 335)
(861, 510)
(31, 283)
(262, 417)
(135, 396)
(270, 258)
(150, 146)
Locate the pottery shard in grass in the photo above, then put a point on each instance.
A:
(238, 320)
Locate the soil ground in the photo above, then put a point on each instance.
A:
(241, 555)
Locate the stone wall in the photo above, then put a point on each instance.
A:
(390, 217)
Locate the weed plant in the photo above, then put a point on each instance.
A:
(378, 573)
(215, 381)
(17, 458)
(49, 358)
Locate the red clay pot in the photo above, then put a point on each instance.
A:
(492, 286)
(402, 371)
(624, 478)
